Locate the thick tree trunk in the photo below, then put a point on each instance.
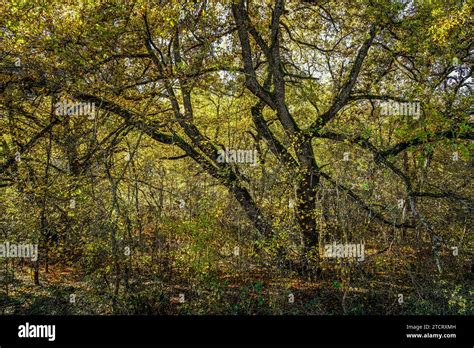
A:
(306, 195)
(251, 209)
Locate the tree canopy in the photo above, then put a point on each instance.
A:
(174, 142)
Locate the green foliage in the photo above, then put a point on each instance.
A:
(131, 207)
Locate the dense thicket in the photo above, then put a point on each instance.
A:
(200, 156)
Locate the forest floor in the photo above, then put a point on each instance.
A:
(387, 284)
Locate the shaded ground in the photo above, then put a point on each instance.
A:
(373, 287)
